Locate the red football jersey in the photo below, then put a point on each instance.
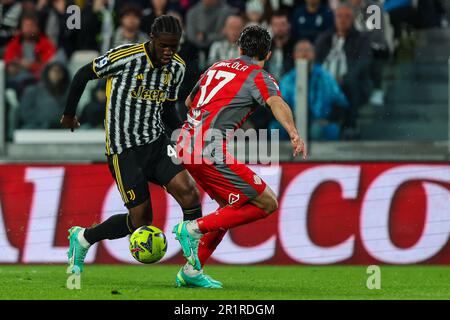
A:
(226, 95)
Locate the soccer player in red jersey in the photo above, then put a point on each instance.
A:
(223, 98)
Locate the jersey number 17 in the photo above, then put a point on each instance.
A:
(223, 76)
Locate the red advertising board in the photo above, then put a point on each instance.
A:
(345, 213)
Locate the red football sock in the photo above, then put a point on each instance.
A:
(208, 243)
(229, 217)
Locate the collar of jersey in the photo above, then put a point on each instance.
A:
(248, 59)
(148, 54)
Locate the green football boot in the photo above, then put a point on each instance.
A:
(188, 243)
(199, 281)
(217, 282)
(77, 252)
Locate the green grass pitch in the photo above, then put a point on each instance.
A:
(240, 282)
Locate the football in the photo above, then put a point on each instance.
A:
(148, 244)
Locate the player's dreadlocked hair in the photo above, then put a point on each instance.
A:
(255, 41)
(166, 24)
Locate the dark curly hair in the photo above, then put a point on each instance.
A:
(255, 41)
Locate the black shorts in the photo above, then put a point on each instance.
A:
(135, 167)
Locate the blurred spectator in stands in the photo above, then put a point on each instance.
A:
(27, 53)
(431, 14)
(238, 4)
(282, 45)
(156, 8)
(190, 54)
(418, 13)
(10, 12)
(29, 5)
(442, 11)
(129, 29)
(53, 19)
(137, 3)
(324, 97)
(381, 42)
(227, 48)
(282, 5)
(347, 55)
(272, 6)
(97, 26)
(205, 21)
(310, 19)
(80, 3)
(43, 103)
(254, 12)
(280, 63)
(401, 14)
(187, 4)
(93, 113)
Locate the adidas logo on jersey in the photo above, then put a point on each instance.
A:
(139, 77)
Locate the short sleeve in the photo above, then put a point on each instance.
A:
(264, 86)
(113, 62)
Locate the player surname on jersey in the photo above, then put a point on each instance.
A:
(236, 65)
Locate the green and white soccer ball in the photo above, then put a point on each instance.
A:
(148, 244)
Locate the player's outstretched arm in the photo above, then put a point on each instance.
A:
(77, 86)
(283, 114)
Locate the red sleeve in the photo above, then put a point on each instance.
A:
(266, 87)
(47, 50)
(11, 51)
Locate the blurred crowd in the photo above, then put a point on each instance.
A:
(346, 47)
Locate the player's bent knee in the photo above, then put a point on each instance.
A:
(194, 195)
(266, 201)
(270, 201)
(141, 215)
(140, 221)
(272, 205)
(190, 198)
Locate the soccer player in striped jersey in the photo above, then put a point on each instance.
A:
(142, 86)
(226, 94)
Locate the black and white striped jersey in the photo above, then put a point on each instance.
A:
(135, 91)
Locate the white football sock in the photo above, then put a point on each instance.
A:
(190, 271)
(84, 243)
(193, 229)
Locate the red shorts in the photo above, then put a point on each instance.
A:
(233, 182)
